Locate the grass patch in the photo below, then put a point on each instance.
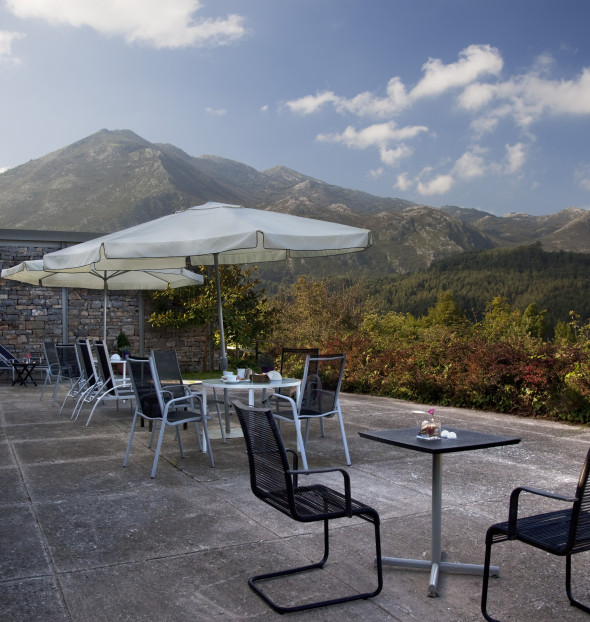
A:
(202, 375)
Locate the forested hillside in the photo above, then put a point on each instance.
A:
(556, 281)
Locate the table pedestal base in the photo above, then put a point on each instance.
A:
(437, 568)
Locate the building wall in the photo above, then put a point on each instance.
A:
(29, 315)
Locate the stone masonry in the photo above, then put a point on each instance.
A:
(29, 315)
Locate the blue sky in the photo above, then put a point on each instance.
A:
(476, 103)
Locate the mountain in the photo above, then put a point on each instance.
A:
(568, 229)
(115, 179)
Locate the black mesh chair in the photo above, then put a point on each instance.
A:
(69, 368)
(111, 387)
(158, 405)
(318, 399)
(52, 368)
(275, 482)
(562, 532)
(168, 369)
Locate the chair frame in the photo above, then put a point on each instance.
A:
(167, 415)
(274, 481)
(69, 371)
(111, 388)
(89, 386)
(169, 359)
(561, 532)
(52, 369)
(299, 413)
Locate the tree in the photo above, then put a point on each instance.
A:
(446, 312)
(248, 317)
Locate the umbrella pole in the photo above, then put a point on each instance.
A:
(104, 315)
(223, 354)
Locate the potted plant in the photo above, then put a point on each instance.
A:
(123, 345)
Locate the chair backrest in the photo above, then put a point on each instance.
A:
(68, 361)
(105, 369)
(267, 458)
(580, 527)
(7, 355)
(293, 361)
(168, 371)
(146, 387)
(85, 361)
(51, 356)
(320, 386)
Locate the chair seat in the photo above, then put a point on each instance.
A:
(549, 531)
(314, 503)
(181, 416)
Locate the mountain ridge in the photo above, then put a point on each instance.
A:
(114, 179)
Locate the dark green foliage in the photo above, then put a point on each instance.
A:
(557, 282)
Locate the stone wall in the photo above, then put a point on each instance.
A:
(29, 315)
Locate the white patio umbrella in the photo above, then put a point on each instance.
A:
(211, 234)
(34, 273)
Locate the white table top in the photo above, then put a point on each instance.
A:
(248, 384)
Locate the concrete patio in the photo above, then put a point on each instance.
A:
(83, 539)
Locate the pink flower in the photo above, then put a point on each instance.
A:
(431, 411)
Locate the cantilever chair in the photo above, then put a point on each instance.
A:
(318, 399)
(561, 532)
(110, 387)
(158, 405)
(274, 481)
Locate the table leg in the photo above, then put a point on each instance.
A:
(435, 564)
(227, 411)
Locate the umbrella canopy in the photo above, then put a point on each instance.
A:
(34, 273)
(211, 234)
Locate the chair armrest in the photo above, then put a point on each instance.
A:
(183, 399)
(345, 476)
(280, 396)
(515, 496)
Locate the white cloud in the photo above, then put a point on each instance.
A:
(437, 185)
(159, 23)
(3, 169)
(582, 175)
(312, 103)
(474, 61)
(6, 40)
(379, 134)
(217, 112)
(529, 97)
(403, 182)
(469, 166)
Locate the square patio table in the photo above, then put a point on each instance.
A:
(23, 373)
(466, 440)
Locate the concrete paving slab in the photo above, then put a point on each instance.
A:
(84, 539)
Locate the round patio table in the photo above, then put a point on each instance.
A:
(246, 385)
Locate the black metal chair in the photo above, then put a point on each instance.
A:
(52, 365)
(561, 532)
(168, 368)
(318, 399)
(275, 482)
(111, 388)
(158, 405)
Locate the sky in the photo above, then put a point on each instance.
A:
(482, 104)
